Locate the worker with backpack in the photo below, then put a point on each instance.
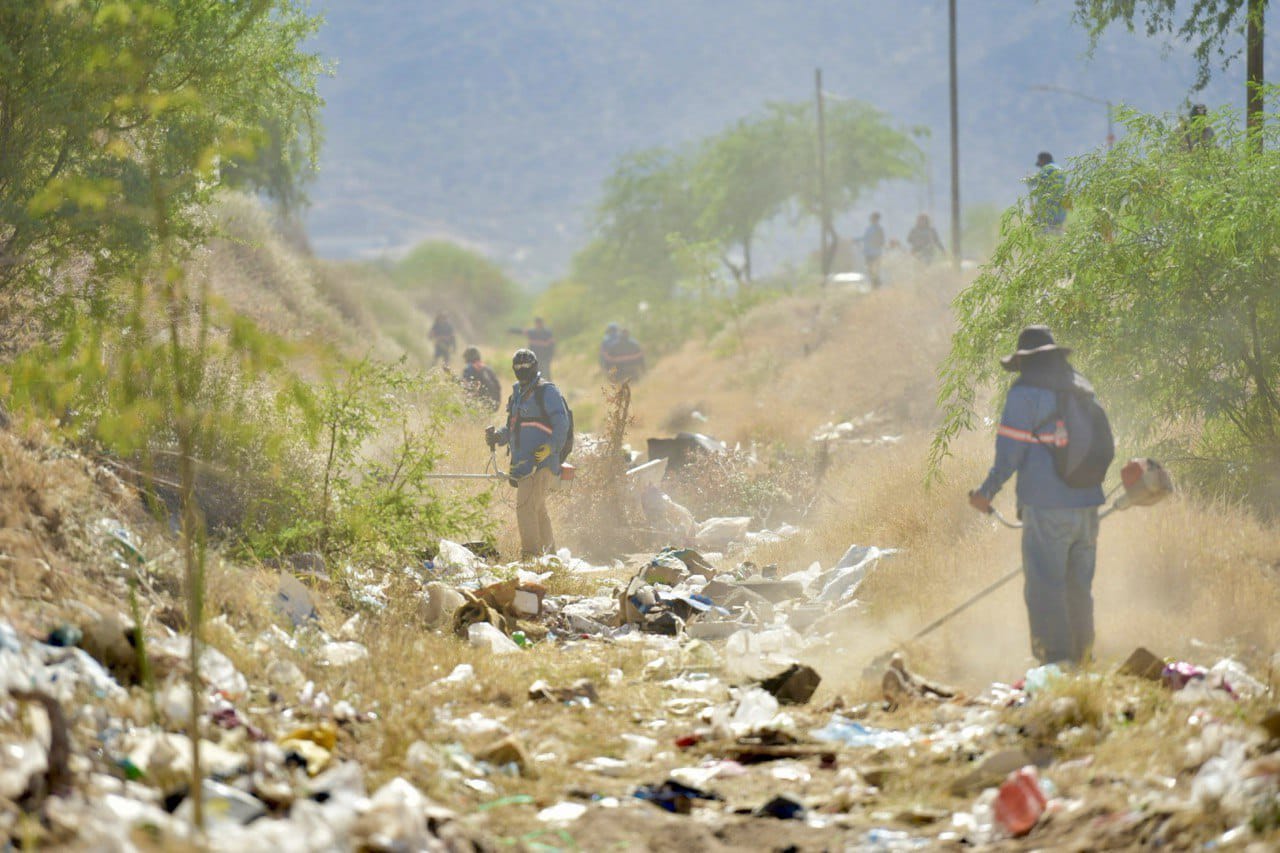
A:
(539, 435)
(1055, 436)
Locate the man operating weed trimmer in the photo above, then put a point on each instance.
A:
(538, 426)
(1056, 437)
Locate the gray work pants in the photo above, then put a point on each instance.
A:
(1059, 551)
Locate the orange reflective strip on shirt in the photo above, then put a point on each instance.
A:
(1016, 434)
(1028, 437)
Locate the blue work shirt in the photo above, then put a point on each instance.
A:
(1020, 448)
(529, 426)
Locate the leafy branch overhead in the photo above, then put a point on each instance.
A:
(1164, 282)
(1210, 25)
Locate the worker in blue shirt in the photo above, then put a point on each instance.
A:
(1048, 194)
(1060, 523)
(536, 429)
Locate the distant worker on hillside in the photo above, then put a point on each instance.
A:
(443, 336)
(480, 381)
(610, 338)
(624, 360)
(542, 342)
(536, 429)
(924, 241)
(873, 248)
(1049, 408)
(1197, 132)
(1048, 194)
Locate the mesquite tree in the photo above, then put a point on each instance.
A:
(1164, 282)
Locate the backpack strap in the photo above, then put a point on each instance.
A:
(540, 394)
(1058, 413)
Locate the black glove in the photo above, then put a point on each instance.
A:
(491, 437)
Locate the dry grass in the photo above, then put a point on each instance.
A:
(353, 308)
(808, 360)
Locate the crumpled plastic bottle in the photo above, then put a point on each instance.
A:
(1020, 802)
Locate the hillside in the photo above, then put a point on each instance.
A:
(495, 124)
(356, 308)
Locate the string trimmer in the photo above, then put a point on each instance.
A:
(1144, 481)
(491, 472)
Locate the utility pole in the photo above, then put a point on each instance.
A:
(1253, 70)
(825, 216)
(955, 141)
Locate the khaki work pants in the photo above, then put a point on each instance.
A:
(536, 537)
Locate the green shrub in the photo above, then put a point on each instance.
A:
(445, 276)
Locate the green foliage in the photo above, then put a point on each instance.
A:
(1207, 24)
(730, 185)
(370, 497)
(111, 106)
(1164, 282)
(279, 168)
(664, 213)
(743, 178)
(115, 118)
(106, 379)
(443, 276)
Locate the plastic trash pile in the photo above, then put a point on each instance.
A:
(697, 670)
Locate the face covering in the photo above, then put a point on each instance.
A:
(526, 374)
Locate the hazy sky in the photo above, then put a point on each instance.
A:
(495, 122)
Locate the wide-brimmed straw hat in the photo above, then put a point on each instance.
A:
(1031, 341)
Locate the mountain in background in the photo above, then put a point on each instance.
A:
(493, 123)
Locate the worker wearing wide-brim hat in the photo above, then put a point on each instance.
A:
(1060, 522)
